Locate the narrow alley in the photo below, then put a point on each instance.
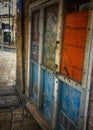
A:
(7, 68)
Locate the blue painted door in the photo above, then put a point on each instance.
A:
(48, 95)
(34, 82)
(69, 107)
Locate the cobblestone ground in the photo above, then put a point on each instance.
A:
(7, 68)
(13, 114)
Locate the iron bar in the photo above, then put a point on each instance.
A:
(9, 22)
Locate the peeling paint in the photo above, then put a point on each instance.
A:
(48, 95)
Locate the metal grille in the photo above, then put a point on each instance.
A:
(65, 123)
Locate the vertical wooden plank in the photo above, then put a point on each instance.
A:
(90, 107)
(89, 61)
(55, 104)
(29, 55)
(34, 39)
(40, 58)
(88, 45)
(59, 36)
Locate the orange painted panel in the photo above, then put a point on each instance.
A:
(73, 56)
(74, 40)
(76, 20)
(74, 37)
(74, 73)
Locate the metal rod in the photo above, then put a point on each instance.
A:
(9, 23)
(2, 36)
(8, 94)
(1, 28)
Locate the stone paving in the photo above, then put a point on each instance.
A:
(7, 68)
(13, 113)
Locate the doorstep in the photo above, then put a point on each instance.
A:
(37, 115)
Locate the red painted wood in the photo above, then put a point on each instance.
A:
(74, 40)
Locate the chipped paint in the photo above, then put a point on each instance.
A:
(34, 82)
(48, 95)
(70, 102)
